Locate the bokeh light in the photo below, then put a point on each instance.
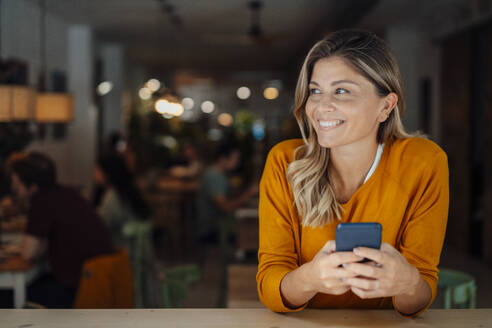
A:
(225, 119)
(153, 85)
(104, 88)
(270, 93)
(187, 103)
(144, 93)
(243, 93)
(207, 107)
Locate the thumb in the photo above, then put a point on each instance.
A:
(329, 247)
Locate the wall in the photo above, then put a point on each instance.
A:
(20, 37)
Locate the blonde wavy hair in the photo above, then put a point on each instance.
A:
(314, 196)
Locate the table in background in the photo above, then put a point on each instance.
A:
(261, 318)
(17, 274)
(247, 228)
(241, 286)
(172, 202)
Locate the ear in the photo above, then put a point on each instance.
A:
(389, 102)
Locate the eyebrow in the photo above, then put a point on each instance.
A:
(336, 82)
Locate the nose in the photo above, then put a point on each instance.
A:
(325, 104)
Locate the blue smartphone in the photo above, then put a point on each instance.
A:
(360, 234)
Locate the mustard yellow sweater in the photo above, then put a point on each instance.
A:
(408, 194)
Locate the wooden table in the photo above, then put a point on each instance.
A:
(241, 318)
(16, 274)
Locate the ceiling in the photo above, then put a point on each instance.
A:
(212, 34)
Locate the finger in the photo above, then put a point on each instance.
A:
(374, 264)
(372, 254)
(370, 271)
(368, 293)
(362, 283)
(340, 258)
(334, 283)
(388, 248)
(341, 272)
(329, 247)
(335, 290)
(338, 290)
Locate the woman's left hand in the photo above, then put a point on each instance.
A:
(389, 274)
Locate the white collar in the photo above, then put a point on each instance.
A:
(379, 153)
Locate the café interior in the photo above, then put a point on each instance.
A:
(147, 95)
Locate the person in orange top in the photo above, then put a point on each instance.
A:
(355, 163)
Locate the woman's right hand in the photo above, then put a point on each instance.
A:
(326, 274)
(323, 274)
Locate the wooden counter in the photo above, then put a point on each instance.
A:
(250, 318)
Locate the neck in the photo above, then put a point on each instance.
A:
(350, 164)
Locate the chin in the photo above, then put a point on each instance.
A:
(326, 143)
(333, 143)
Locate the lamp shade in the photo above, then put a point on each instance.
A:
(54, 107)
(16, 103)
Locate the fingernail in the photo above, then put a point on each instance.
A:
(356, 251)
(344, 265)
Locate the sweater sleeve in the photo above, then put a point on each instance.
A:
(423, 236)
(277, 254)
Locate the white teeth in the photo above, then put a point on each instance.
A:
(326, 124)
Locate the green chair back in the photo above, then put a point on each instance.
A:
(459, 289)
(176, 283)
(139, 240)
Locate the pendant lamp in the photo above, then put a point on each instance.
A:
(51, 107)
(16, 101)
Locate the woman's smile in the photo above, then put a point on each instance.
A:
(328, 125)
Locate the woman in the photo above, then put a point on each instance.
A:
(355, 163)
(122, 202)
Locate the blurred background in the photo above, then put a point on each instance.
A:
(165, 83)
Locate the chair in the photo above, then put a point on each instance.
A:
(138, 235)
(459, 289)
(176, 282)
(106, 283)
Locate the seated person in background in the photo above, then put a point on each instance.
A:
(61, 223)
(213, 200)
(191, 166)
(122, 201)
(118, 146)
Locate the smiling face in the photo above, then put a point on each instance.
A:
(343, 106)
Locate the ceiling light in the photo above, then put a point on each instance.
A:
(187, 103)
(162, 106)
(175, 109)
(270, 93)
(207, 107)
(225, 119)
(153, 85)
(104, 88)
(243, 93)
(144, 93)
